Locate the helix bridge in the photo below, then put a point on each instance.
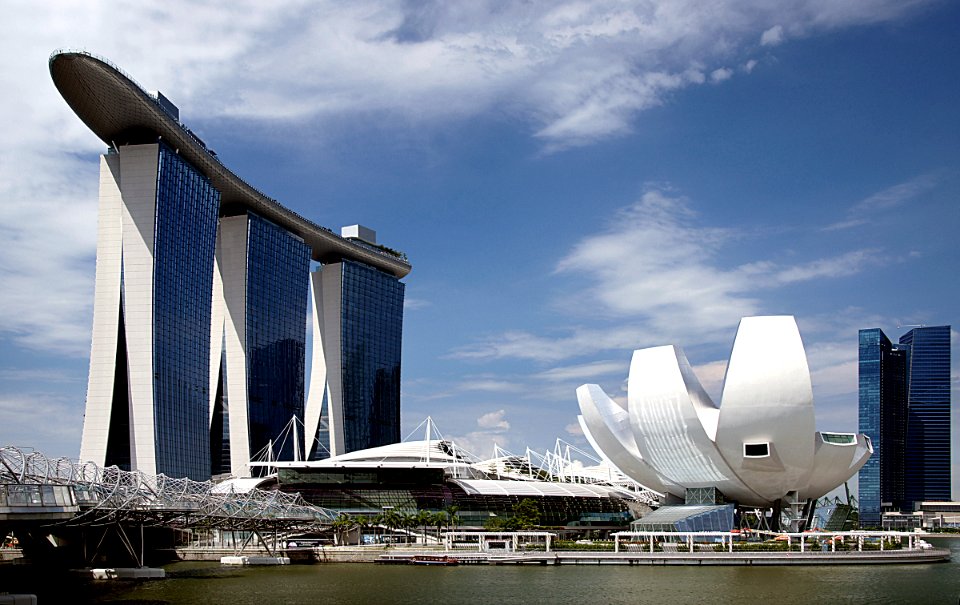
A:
(60, 491)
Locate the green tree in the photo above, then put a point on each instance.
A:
(526, 514)
(393, 519)
(342, 525)
(452, 513)
(423, 519)
(439, 519)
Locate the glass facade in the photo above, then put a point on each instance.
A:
(687, 518)
(220, 425)
(278, 269)
(882, 412)
(927, 460)
(187, 208)
(371, 328)
(905, 411)
(408, 490)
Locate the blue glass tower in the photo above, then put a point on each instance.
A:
(371, 332)
(927, 460)
(355, 382)
(185, 239)
(198, 349)
(278, 270)
(905, 410)
(265, 271)
(883, 410)
(148, 398)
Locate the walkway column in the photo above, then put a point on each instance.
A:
(616, 543)
(651, 536)
(548, 542)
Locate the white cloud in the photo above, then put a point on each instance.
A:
(491, 384)
(569, 72)
(494, 420)
(772, 36)
(659, 276)
(897, 195)
(750, 65)
(656, 263)
(585, 372)
(721, 74)
(846, 264)
(56, 434)
(574, 429)
(892, 197)
(493, 429)
(413, 304)
(711, 377)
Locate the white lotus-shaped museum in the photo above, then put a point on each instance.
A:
(758, 447)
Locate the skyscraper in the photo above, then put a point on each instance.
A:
(149, 371)
(261, 323)
(905, 410)
(883, 415)
(198, 352)
(927, 456)
(354, 400)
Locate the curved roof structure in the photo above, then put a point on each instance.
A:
(121, 112)
(757, 447)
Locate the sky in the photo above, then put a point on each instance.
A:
(570, 180)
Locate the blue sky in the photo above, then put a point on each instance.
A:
(570, 180)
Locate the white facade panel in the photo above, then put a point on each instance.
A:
(139, 168)
(106, 315)
(607, 427)
(318, 363)
(233, 272)
(331, 294)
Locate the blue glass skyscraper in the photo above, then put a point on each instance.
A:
(927, 459)
(265, 275)
(197, 361)
(148, 398)
(883, 412)
(905, 410)
(354, 398)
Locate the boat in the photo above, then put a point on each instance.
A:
(434, 560)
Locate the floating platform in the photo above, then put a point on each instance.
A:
(18, 599)
(245, 560)
(128, 573)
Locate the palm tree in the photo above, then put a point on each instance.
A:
(393, 519)
(439, 518)
(341, 525)
(423, 519)
(452, 511)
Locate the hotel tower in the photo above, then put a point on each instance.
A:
(203, 286)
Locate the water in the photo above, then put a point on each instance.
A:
(209, 583)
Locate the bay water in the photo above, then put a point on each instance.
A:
(204, 583)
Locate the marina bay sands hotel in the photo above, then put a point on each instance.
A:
(198, 356)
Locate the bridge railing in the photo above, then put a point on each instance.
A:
(111, 494)
(18, 494)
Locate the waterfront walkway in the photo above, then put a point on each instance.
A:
(931, 555)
